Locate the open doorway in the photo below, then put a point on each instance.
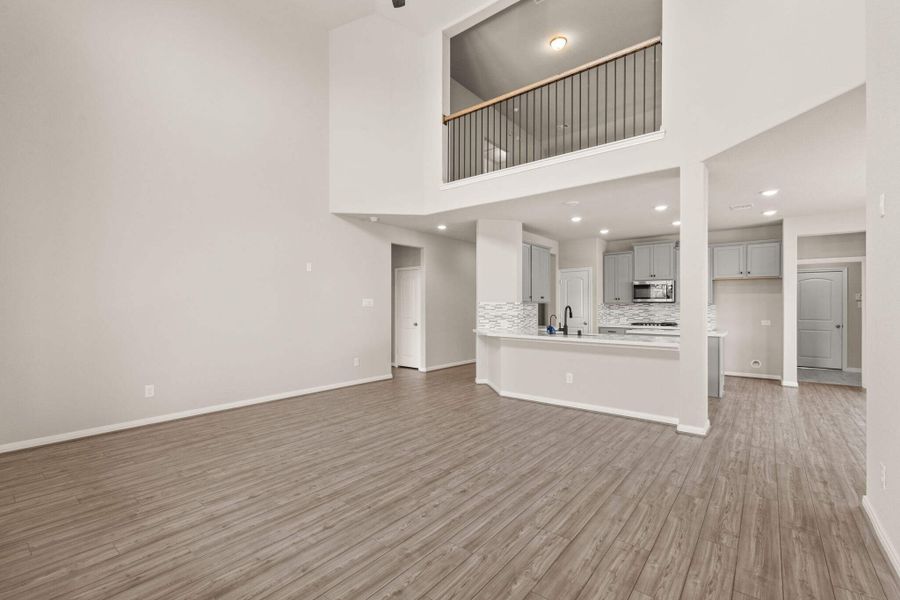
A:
(407, 307)
(829, 323)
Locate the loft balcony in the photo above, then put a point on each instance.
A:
(607, 100)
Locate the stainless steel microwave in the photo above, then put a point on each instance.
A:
(660, 290)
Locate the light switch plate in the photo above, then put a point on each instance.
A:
(308, 267)
(368, 302)
(766, 323)
(881, 209)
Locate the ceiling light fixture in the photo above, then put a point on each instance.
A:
(769, 193)
(442, 227)
(576, 219)
(604, 231)
(661, 207)
(770, 213)
(676, 223)
(558, 42)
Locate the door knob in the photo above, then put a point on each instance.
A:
(838, 326)
(415, 324)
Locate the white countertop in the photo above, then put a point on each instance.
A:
(608, 339)
(666, 331)
(659, 338)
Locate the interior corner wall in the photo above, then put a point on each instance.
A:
(450, 304)
(498, 251)
(882, 266)
(159, 214)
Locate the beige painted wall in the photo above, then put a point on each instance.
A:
(832, 246)
(882, 266)
(160, 202)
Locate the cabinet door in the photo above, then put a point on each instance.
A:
(728, 261)
(711, 297)
(624, 277)
(540, 274)
(764, 259)
(609, 279)
(663, 261)
(526, 272)
(643, 262)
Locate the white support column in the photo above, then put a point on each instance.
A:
(789, 295)
(693, 293)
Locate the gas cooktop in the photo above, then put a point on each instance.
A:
(654, 324)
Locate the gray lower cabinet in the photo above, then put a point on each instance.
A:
(614, 330)
(536, 277)
(716, 371)
(618, 281)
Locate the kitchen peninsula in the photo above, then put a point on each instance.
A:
(629, 374)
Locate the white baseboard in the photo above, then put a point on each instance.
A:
(692, 430)
(792, 384)
(448, 365)
(489, 384)
(753, 375)
(73, 435)
(887, 546)
(608, 410)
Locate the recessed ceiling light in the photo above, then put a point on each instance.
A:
(558, 42)
(661, 207)
(770, 213)
(604, 231)
(676, 223)
(576, 219)
(769, 193)
(442, 227)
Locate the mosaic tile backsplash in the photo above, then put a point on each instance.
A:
(623, 314)
(508, 316)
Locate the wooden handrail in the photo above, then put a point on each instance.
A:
(533, 86)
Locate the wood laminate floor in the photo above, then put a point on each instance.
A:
(431, 487)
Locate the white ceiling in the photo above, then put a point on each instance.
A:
(817, 160)
(510, 49)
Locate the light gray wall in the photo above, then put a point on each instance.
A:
(160, 202)
(882, 266)
(832, 246)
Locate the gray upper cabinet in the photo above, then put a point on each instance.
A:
(618, 278)
(728, 261)
(711, 298)
(526, 272)
(540, 274)
(764, 259)
(749, 260)
(654, 261)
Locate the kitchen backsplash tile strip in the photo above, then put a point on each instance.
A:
(508, 316)
(623, 314)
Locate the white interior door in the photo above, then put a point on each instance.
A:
(408, 317)
(820, 319)
(575, 291)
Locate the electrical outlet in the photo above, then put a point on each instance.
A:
(368, 302)
(309, 267)
(149, 391)
(883, 476)
(766, 323)
(569, 378)
(881, 208)
(356, 361)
